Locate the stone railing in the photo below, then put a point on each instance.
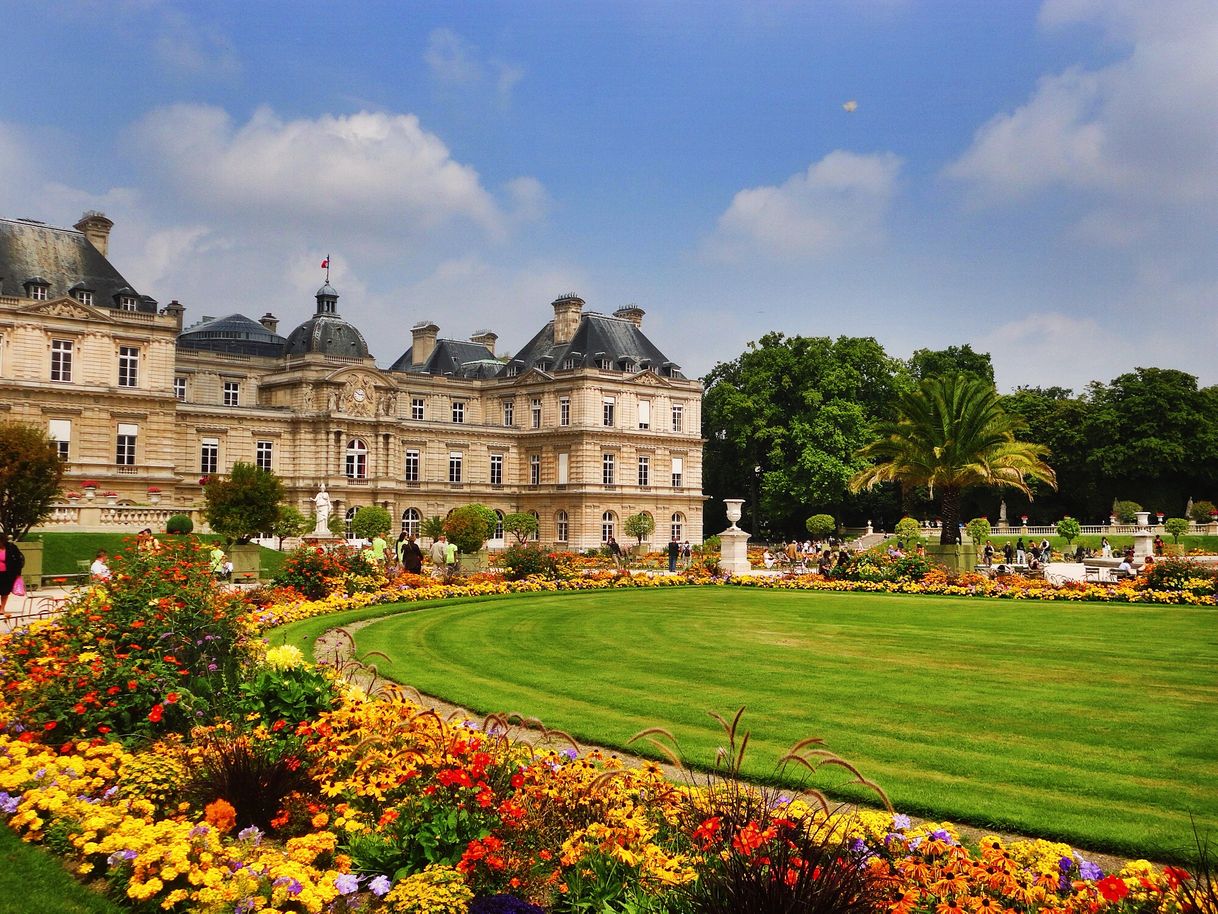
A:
(1194, 529)
(95, 517)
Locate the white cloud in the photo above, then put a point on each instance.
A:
(455, 62)
(1140, 129)
(365, 169)
(839, 202)
(193, 48)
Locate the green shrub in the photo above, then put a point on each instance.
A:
(978, 530)
(908, 530)
(371, 521)
(470, 526)
(1201, 512)
(1126, 512)
(179, 524)
(1177, 527)
(640, 526)
(820, 525)
(524, 560)
(521, 525)
(243, 504)
(711, 544)
(1068, 529)
(290, 695)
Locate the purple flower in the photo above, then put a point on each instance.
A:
(1089, 871)
(244, 906)
(294, 886)
(8, 803)
(1063, 882)
(900, 822)
(379, 886)
(250, 834)
(942, 834)
(1065, 864)
(571, 753)
(346, 883)
(199, 831)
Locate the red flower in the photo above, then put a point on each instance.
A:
(172, 698)
(51, 726)
(1113, 888)
(156, 713)
(1175, 876)
(103, 729)
(278, 725)
(132, 685)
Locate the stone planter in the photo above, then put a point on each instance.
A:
(154, 498)
(112, 499)
(472, 563)
(90, 492)
(958, 558)
(31, 573)
(247, 561)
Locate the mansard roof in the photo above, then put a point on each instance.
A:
(598, 337)
(234, 334)
(64, 259)
(459, 358)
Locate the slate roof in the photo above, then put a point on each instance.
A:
(65, 259)
(598, 336)
(326, 332)
(459, 358)
(235, 333)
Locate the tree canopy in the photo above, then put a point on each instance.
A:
(30, 473)
(244, 503)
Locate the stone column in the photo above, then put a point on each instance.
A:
(734, 542)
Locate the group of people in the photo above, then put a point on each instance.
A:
(828, 556)
(1032, 556)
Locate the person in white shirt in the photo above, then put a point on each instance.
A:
(99, 569)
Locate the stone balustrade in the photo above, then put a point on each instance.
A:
(98, 517)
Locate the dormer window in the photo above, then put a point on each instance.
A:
(126, 303)
(512, 371)
(604, 364)
(38, 293)
(568, 364)
(37, 288)
(84, 296)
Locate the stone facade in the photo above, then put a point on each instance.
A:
(582, 439)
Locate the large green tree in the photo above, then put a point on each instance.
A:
(30, 473)
(951, 435)
(243, 504)
(937, 363)
(783, 423)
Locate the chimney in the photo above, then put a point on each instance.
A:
(632, 313)
(177, 311)
(270, 321)
(486, 338)
(566, 316)
(96, 227)
(423, 341)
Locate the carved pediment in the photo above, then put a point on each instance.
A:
(363, 393)
(67, 307)
(648, 378)
(532, 374)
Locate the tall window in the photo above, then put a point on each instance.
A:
(678, 417)
(348, 532)
(179, 388)
(60, 431)
(416, 409)
(677, 466)
(644, 414)
(564, 467)
(496, 469)
(509, 412)
(61, 360)
(454, 467)
(498, 525)
(560, 526)
(536, 534)
(564, 411)
(411, 521)
(644, 471)
(232, 393)
(604, 364)
(124, 451)
(263, 452)
(678, 526)
(209, 455)
(607, 520)
(534, 469)
(458, 411)
(412, 466)
(608, 412)
(357, 459)
(128, 366)
(607, 469)
(535, 410)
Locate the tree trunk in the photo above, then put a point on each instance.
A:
(949, 535)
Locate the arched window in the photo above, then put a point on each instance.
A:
(678, 526)
(647, 539)
(560, 527)
(357, 459)
(498, 525)
(350, 516)
(608, 520)
(411, 519)
(537, 532)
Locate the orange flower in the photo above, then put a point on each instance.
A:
(220, 815)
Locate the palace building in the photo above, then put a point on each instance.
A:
(589, 423)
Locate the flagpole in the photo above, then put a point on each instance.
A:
(327, 269)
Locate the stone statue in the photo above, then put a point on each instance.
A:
(322, 500)
(308, 399)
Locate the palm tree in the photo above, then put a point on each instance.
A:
(952, 435)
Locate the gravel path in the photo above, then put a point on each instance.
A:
(335, 646)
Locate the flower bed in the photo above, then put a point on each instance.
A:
(153, 742)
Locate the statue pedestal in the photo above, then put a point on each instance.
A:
(322, 540)
(734, 551)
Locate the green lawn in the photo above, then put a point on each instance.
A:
(1092, 723)
(62, 551)
(34, 882)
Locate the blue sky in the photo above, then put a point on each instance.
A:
(1037, 179)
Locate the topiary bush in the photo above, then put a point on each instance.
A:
(1069, 529)
(820, 525)
(1176, 527)
(1126, 512)
(179, 524)
(371, 521)
(470, 526)
(979, 530)
(1201, 512)
(908, 530)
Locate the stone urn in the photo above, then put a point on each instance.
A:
(733, 511)
(154, 498)
(90, 492)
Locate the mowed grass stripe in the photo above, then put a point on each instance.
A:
(1089, 722)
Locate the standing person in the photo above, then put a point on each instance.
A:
(1008, 552)
(674, 549)
(398, 545)
(1158, 544)
(450, 558)
(1021, 557)
(411, 556)
(217, 562)
(439, 556)
(615, 551)
(687, 554)
(988, 554)
(379, 546)
(12, 560)
(99, 570)
(1105, 548)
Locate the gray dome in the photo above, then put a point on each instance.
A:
(235, 333)
(328, 334)
(328, 291)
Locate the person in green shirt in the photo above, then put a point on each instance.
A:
(450, 557)
(218, 564)
(378, 549)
